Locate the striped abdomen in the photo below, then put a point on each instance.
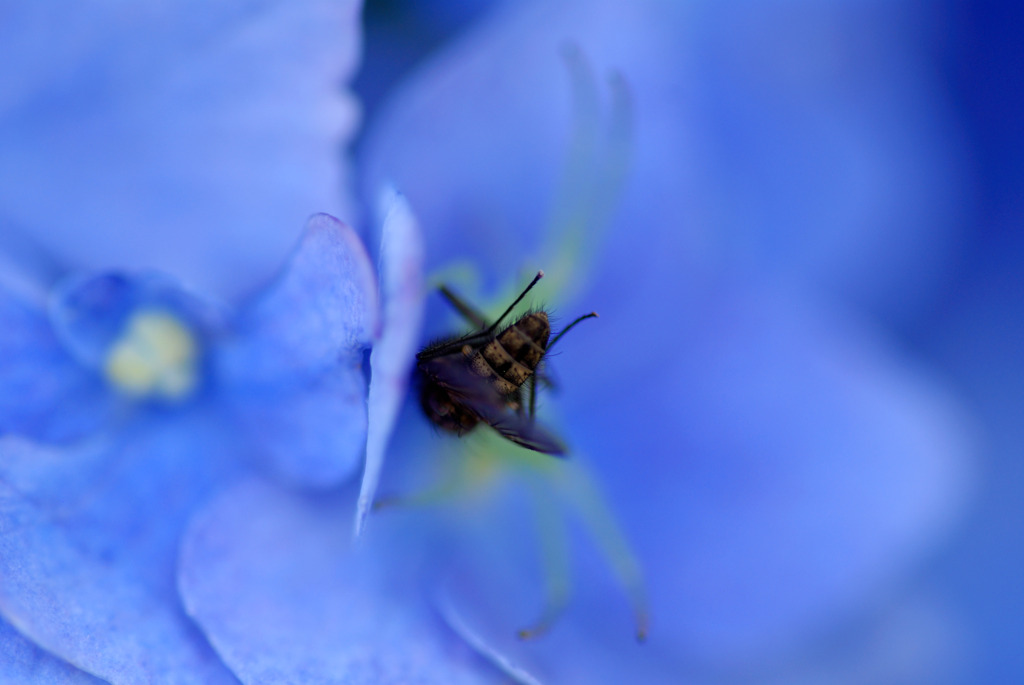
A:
(511, 357)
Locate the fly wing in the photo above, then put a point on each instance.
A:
(526, 432)
(451, 371)
(474, 392)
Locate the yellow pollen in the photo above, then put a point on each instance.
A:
(155, 357)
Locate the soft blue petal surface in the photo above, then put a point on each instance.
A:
(802, 463)
(916, 641)
(292, 369)
(88, 543)
(185, 136)
(402, 293)
(44, 393)
(311, 435)
(320, 310)
(22, 663)
(271, 579)
(798, 138)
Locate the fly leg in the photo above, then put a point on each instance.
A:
(591, 315)
(468, 312)
(533, 395)
(544, 378)
(471, 314)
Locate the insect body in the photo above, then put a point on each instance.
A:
(479, 377)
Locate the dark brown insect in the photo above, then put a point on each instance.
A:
(479, 377)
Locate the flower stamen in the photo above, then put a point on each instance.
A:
(596, 167)
(156, 357)
(554, 551)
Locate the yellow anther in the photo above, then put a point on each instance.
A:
(156, 357)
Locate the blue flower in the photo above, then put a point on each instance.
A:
(173, 497)
(178, 399)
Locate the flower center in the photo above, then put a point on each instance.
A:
(156, 357)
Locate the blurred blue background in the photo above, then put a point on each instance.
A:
(882, 181)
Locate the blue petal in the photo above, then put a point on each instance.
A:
(797, 138)
(273, 582)
(23, 663)
(310, 435)
(401, 276)
(44, 393)
(188, 137)
(292, 370)
(88, 543)
(931, 645)
(320, 311)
